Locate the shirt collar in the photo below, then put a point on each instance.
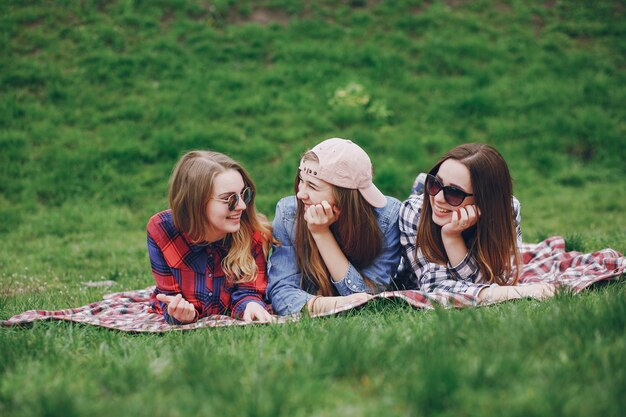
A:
(221, 245)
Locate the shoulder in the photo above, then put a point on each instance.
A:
(161, 226)
(389, 214)
(413, 203)
(412, 206)
(169, 240)
(516, 204)
(259, 242)
(410, 212)
(283, 226)
(286, 208)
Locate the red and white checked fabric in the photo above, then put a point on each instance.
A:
(125, 311)
(545, 261)
(548, 261)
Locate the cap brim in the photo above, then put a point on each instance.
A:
(373, 196)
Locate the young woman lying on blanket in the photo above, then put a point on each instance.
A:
(208, 252)
(462, 233)
(339, 236)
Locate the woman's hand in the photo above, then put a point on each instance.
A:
(319, 217)
(256, 312)
(539, 291)
(462, 219)
(320, 305)
(178, 308)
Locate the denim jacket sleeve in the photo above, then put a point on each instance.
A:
(283, 287)
(384, 267)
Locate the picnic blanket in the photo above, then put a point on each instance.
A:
(546, 261)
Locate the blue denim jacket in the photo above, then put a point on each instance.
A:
(284, 289)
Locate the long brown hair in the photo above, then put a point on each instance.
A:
(356, 231)
(190, 189)
(492, 240)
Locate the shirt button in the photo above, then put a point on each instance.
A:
(354, 286)
(210, 294)
(210, 275)
(349, 281)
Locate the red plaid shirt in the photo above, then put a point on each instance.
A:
(195, 271)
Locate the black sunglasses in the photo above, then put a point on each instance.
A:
(233, 199)
(453, 195)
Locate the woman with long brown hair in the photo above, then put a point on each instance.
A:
(339, 236)
(462, 233)
(208, 251)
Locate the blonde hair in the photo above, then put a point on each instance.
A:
(356, 231)
(190, 189)
(492, 240)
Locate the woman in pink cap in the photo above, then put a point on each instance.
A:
(339, 236)
(462, 233)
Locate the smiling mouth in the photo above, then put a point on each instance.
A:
(441, 213)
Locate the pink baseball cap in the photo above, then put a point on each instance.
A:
(344, 164)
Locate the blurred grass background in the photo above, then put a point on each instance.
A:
(98, 99)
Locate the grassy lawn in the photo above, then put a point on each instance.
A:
(98, 99)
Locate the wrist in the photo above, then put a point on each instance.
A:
(451, 234)
(486, 295)
(320, 232)
(310, 304)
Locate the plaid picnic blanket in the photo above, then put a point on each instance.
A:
(545, 261)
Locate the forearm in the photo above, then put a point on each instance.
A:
(253, 291)
(240, 307)
(283, 287)
(461, 278)
(331, 253)
(455, 248)
(496, 293)
(320, 305)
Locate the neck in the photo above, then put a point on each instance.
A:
(212, 236)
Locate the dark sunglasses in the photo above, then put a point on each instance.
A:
(453, 195)
(233, 199)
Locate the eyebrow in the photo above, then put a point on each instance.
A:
(229, 193)
(451, 184)
(311, 183)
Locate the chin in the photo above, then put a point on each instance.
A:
(234, 229)
(439, 221)
(230, 229)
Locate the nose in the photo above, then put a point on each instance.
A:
(439, 197)
(241, 205)
(301, 194)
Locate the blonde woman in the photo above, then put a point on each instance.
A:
(339, 236)
(208, 251)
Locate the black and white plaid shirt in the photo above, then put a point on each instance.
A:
(431, 277)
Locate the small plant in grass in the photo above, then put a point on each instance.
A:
(353, 103)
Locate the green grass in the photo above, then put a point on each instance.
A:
(98, 99)
(562, 357)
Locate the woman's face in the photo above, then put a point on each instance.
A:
(451, 172)
(311, 190)
(221, 220)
